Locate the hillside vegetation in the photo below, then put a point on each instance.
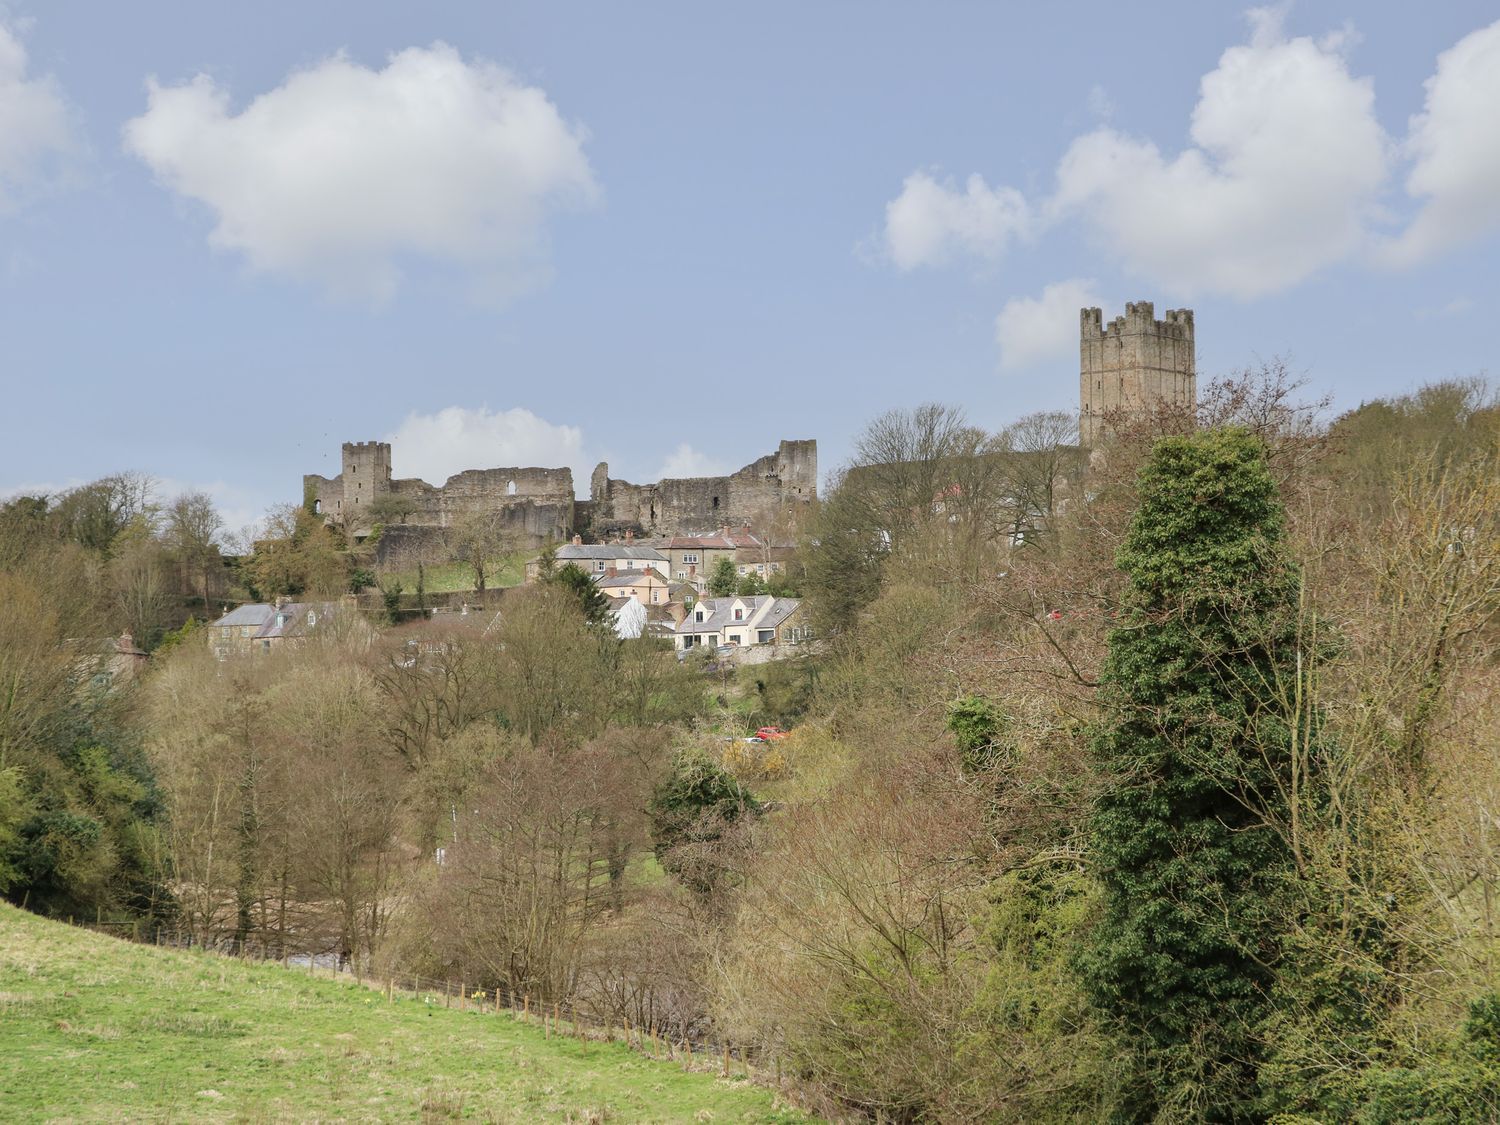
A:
(1153, 785)
(94, 1029)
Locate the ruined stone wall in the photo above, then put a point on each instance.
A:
(531, 523)
(755, 495)
(535, 503)
(1133, 361)
(482, 490)
(539, 503)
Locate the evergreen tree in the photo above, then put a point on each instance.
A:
(1196, 755)
(722, 581)
(580, 584)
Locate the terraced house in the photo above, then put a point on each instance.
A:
(742, 622)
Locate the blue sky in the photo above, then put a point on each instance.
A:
(669, 235)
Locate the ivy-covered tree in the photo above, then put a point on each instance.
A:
(692, 815)
(1197, 758)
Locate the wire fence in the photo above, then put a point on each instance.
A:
(555, 1018)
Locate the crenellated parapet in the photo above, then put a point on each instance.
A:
(1133, 362)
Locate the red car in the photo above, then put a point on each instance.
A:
(770, 734)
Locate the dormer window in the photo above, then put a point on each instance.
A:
(698, 616)
(739, 614)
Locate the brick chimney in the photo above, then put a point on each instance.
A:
(578, 540)
(629, 535)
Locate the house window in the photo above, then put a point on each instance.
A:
(686, 559)
(312, 619)
(698, 616)
(600, 566)
(656, 595)
(765, 636)
(739, 615)
(744, 570)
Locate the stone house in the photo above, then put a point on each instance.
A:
(601, 558)
(743, 622)
(259, 628)
(648, 586)
(763, 560)
(692, 558)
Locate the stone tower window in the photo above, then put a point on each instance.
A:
(510, 488)
(716, 503)
(317, 507)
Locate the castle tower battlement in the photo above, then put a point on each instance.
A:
(366, 475)
(1133, 361)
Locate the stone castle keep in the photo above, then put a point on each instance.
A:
(538, 505)
(1131, 362)
(1124, 366)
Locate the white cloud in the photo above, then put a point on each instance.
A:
(1033, 329)
(35, 131)
(1281, 179)
(1455, 146)
(685, 461)
(1288, 159)
(342, 172)
(929, 223)
(435, 446)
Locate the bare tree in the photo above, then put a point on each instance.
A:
(479, 540)
(1040, 453)
(193, 531)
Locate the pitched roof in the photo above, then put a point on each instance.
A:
(718, 613)
(628, 578)
(255, 614)
(571, 551)
(269, 621)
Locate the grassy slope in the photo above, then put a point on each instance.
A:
(97, 1029)
(452, 577)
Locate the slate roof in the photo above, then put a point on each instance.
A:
(627, 578)
(254, 614)
(290, 619)
(570, 552)
(719, 613)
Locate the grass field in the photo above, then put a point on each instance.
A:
(95, 1029)
(451, 577)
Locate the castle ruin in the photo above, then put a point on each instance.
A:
(753, 497)
(539, 505)
(1132, 362)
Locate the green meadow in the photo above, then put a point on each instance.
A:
(95, 1029)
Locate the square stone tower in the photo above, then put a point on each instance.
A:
(1132, 362)
(366, 475)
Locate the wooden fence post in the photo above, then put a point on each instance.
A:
(726, 1058)
(463, 994)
